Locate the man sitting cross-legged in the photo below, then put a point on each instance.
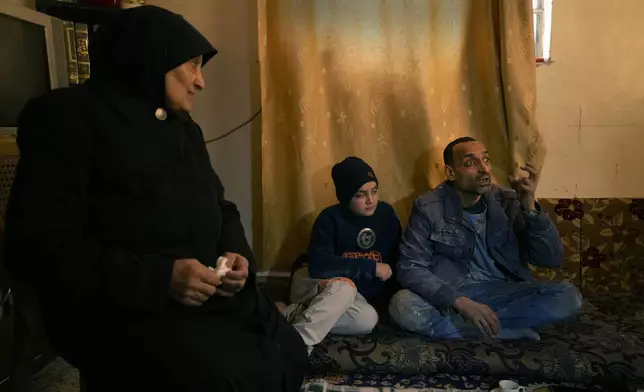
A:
(464, 257)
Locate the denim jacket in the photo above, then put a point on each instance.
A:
(438, 245)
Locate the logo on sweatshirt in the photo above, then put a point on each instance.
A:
(366, 238)
(373, 255)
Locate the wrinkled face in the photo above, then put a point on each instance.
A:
(182, 84)
(470, 169)
(365, 201)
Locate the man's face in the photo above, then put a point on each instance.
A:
(470, 169)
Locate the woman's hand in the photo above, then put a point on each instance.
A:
(192, 282)
(235, 279)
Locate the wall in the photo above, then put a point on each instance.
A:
(591, 100)
(231, 96)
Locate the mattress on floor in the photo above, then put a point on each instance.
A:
(603, 346)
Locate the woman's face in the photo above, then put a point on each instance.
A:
(182, 84)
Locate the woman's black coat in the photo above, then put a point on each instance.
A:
(106, 197)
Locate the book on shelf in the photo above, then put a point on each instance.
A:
(76, 49)
(70, 52)
(82, 51)
(80, 20)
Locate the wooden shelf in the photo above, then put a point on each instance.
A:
(81, 13)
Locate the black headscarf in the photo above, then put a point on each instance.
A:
(135, 50)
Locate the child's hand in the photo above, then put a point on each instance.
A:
(383, 271)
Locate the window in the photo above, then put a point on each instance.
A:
(542, 19)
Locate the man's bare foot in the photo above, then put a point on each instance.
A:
(280, 306)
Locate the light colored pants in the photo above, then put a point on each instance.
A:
(339, 309)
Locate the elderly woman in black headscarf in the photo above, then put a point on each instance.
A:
(116, 214)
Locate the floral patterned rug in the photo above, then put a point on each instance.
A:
(604, 346)
(59, 376)
(325, 385)
(421, 383)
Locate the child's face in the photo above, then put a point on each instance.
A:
(365, 201)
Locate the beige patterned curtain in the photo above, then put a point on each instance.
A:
(391, 82)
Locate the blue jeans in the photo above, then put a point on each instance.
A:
(519, 306)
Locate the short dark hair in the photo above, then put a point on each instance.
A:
(448, 152)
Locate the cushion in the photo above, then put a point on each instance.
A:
(604, 345)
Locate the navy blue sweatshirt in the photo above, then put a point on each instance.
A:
(347, 245)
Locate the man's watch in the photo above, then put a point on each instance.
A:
(531, 213)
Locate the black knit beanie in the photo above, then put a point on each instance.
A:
(349, 176)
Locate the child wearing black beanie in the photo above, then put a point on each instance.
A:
(352, 255)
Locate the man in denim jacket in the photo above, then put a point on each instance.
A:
(464, 257)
